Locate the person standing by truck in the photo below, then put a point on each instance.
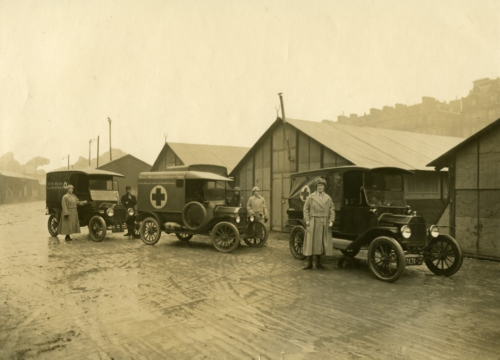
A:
(69, 223)
(129, 201)
(256, 205)
(236, 200)
(319, 215)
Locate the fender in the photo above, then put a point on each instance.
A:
(367, 237)
(294, 222)
(56, 212)
(144, 215)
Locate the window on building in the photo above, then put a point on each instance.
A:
(423, 182)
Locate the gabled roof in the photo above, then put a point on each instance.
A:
(123, 159)
(443, 160)
(87, 171)
(227, 156)
(373, 147)
(16, 175)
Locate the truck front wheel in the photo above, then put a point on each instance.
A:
(97, 228)
(53, 225)
(150, 231)
(386, 259)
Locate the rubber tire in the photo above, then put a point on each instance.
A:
(137, 231)
(225, 227)
(457, 252)
(393, 245)
(297, 244)
(53, 225)
(259, 242)
(203, 210)
(352, 253)
(150, 231)
(184, 237)
(95, 223)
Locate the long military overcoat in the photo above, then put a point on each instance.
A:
(69, 224)
(319, 211)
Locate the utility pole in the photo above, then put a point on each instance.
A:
(90, 152)
(68, 160)
(166, 136)
(98, 151)
(110, 156)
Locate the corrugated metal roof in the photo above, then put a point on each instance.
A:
(227, 156)
(373, 147)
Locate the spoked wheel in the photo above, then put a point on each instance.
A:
(137, 230)
(386, 259)
(97, 228)
(297, 236)
(53, 225)
(350, 253)
(225, 237)
(256, 235)
(184, 237)
(150, 231)
(444, 256)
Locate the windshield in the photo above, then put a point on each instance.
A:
(103, 184)
(215, 190)
(384, 190)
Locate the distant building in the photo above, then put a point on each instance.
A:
(15, 187)
(174, 154)
(482, 106)
(130, 167)
(474, 214)
(458, 118)
(299, 145)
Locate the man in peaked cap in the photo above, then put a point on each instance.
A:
(319, 215)
(257, 205)
(236, 200)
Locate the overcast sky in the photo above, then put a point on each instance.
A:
(209, 71)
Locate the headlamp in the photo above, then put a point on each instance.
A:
(434, 231)
(406, 231)
(110, 212)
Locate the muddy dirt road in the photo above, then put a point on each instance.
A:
(121, 299)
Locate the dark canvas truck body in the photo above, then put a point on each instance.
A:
(369, 205)
(97, 187)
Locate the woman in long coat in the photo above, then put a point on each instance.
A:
(319, 215)
(69, 223)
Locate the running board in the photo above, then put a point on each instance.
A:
(341, 243)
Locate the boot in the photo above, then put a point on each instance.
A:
(318, 262)
(67, 238)
(309, 263)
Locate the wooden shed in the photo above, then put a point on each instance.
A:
(130, 167)
(474, 168)
(174, 154)
(15, 187)
(299, 145)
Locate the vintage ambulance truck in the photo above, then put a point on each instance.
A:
(192, 199)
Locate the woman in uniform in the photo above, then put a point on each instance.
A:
(69, 223)
(319, 215)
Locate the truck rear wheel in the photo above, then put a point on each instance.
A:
(297, 236)
(97, 228)
(194, 215)
(150, 231)
(53, 225)
(386, 259)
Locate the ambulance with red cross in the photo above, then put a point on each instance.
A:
(193, 199)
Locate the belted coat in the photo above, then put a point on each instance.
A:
(319, 211)
(69, 223)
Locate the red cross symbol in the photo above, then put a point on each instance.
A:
(304, 193)
(158, 197)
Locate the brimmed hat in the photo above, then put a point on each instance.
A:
(70, 186)
(255, 188)
(320, 181)
(236, 188)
